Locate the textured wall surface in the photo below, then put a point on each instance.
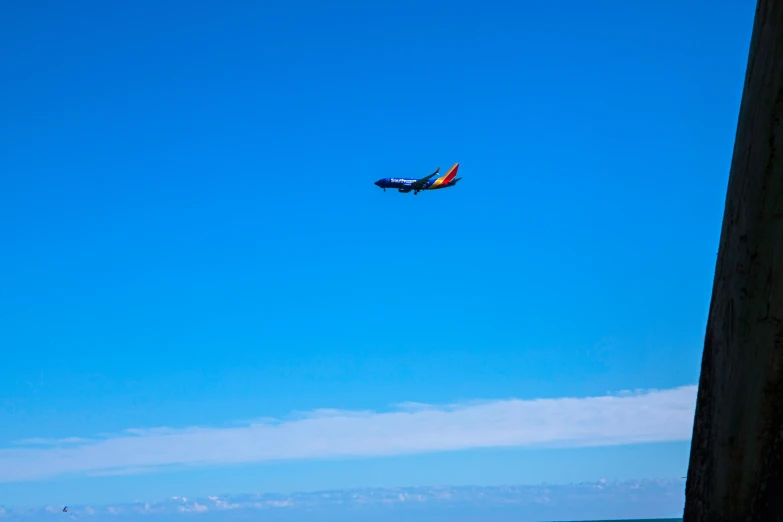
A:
(736, 462)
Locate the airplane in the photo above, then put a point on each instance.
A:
(426, 183)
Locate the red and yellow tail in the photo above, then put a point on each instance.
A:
(447, 177)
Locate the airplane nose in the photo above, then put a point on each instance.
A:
(377, 183)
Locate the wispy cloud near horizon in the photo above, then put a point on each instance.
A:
(601, 500)
(639, 417)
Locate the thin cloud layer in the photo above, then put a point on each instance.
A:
(652, 416)
(597, 500)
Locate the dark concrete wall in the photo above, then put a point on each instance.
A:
(736, 462)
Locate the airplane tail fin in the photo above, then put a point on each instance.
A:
(451, 174)
(448, 176)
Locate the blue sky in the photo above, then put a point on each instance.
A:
(192, 239)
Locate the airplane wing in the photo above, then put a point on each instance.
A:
(419, 183)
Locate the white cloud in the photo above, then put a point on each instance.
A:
(198, 508)
(595, 501)
(116, 472)
(412, 406)
(651, 416)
